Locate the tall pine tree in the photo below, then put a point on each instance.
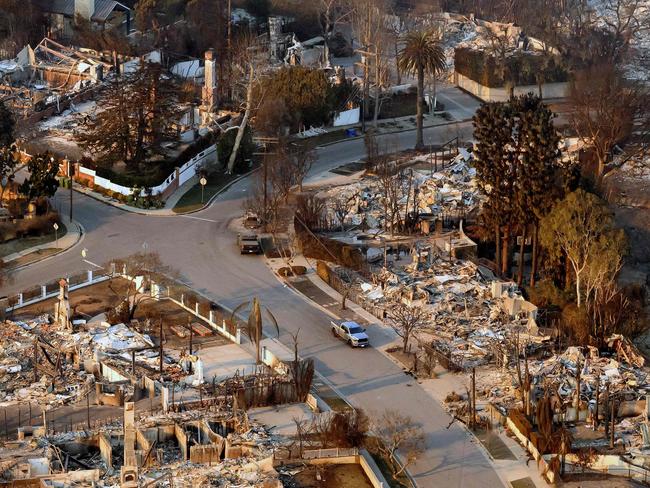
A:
(516, 162)
(539, 155)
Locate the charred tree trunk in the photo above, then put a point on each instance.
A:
(533, 270)
(505, 253)
(520, 272)
(497, 242)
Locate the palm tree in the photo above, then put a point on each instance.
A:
(421, 55)
(254, 328)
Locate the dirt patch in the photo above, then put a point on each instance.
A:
(96, 299)
(176, 321)
(91, 300)
(332, 476)
(405, 359)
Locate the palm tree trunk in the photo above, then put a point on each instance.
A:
(397, 70)
(419, 141)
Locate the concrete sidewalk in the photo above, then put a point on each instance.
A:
(71, 238)
(123, 206)
(515, 466)
(170, 203)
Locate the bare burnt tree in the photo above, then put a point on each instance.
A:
(398, 437)
(342, 206)
(408, 320)
(302, 371)
(310, 212)
(331, 13)
(341, 429)
(302, 159)
(246, 71)
(135, 274)
(392, 191)
(606, 108)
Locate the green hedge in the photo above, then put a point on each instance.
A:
(522, 68)
(165, 168)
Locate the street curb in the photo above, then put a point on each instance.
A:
(80, 237)
(222, 190)
(132, 210)
(333, 315)
(327, 144)
(471, 435)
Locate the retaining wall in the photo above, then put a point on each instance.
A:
(549, 90)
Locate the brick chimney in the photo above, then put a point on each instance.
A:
(210, 87)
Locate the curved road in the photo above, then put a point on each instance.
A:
(203, 249)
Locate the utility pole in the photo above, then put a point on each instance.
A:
(612, 429)
(189, 325)
(160, 335)
(229, 47)
(377, 87)
(605, 414)
(229, 29)
(597, 395)
(266, 164)
(88, 409)
(473, 404)
(70, 175)
(70, 198)
(35, 360)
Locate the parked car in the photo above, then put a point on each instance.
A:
(249, 244)
(350, 332)
(252, 221)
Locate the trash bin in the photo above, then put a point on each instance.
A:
(351, 132)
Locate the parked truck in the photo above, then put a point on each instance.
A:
(249, 244)
(350, 332)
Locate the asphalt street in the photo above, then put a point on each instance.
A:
(203, 248)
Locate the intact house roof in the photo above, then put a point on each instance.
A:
(103, 8)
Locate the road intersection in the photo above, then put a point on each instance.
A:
(202, 247)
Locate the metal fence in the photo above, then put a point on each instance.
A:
(630, 471)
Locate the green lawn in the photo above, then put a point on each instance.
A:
(18, 245)
(191, 200)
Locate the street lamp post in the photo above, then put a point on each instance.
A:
(56, 234)
(203, 182)
(70, 174)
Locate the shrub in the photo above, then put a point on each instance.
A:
(577, 323)
(525, 68)
(341, 429)
(546, 294)
(164, 168)
(39, 225)
(307, 94)
(294, 271)
(8, 231)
